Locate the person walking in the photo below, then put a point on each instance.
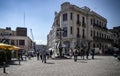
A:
(43, 56)
(82, 53)
(51, 53)
(38, 55)
(75, 55)
(93, 53)
(87, 53)
(71, 53)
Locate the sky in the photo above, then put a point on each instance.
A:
(39, 14)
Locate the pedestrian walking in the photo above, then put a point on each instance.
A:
(38, 55)
(71, 53)
(75, 55)
(20, 55)
(82, 53)
(87, 53)
(43, 56)
(93, 53)
(51, 53)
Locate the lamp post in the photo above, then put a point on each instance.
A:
(60, 30)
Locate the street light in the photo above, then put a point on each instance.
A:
(60, 31)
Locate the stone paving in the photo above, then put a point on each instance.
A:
(100, 66)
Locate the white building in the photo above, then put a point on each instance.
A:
(81, 28)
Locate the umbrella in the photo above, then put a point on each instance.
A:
(9, 47)
(4, 46)
(15, 48)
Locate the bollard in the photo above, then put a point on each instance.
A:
(4, 67)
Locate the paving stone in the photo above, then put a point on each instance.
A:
(100, 66)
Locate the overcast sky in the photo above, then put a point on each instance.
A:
(39, 14)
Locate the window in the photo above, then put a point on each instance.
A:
(83, 21)
(12, 42)
(21, 42)
(97, 34)
(100, 35)
(78, 32)
(91, 21)
(71, 16)
(97, 22)
(16, 42)
(100, 23)
(77, 17)
(65, 32)
(83, 34)
(93, 45)
(91, 33)
(71, 29)
(94, 33)
(65, 17)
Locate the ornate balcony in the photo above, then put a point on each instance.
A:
(78, 23)
(96, 38)
(83, 24)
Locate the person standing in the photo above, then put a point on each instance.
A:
(75, 55)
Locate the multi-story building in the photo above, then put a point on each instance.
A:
(17, 38)
(116, 36)
(80, 28)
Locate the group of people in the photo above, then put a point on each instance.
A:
(43, 54)
(81, 53)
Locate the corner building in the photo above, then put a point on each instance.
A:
(81, 28)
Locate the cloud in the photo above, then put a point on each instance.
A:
(44, 42)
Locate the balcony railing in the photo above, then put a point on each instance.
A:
(96, 38)
(83, 24)
(99, 26)
(78, 35)
(78, 23)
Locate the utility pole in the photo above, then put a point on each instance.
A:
(24, 19)
(60, 30)
(32, 34)
(33, 46)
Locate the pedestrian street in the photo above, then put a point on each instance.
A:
(100, 66)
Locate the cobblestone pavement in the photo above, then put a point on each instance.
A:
(100, 66)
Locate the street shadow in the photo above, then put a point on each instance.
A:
(82, 61)
(49, 63)
(14, 63)
(61, 58)
(97, 59)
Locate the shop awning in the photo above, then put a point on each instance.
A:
(9, 47)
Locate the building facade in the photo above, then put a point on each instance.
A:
(21, 40)
(80, 28)
(116, 36)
